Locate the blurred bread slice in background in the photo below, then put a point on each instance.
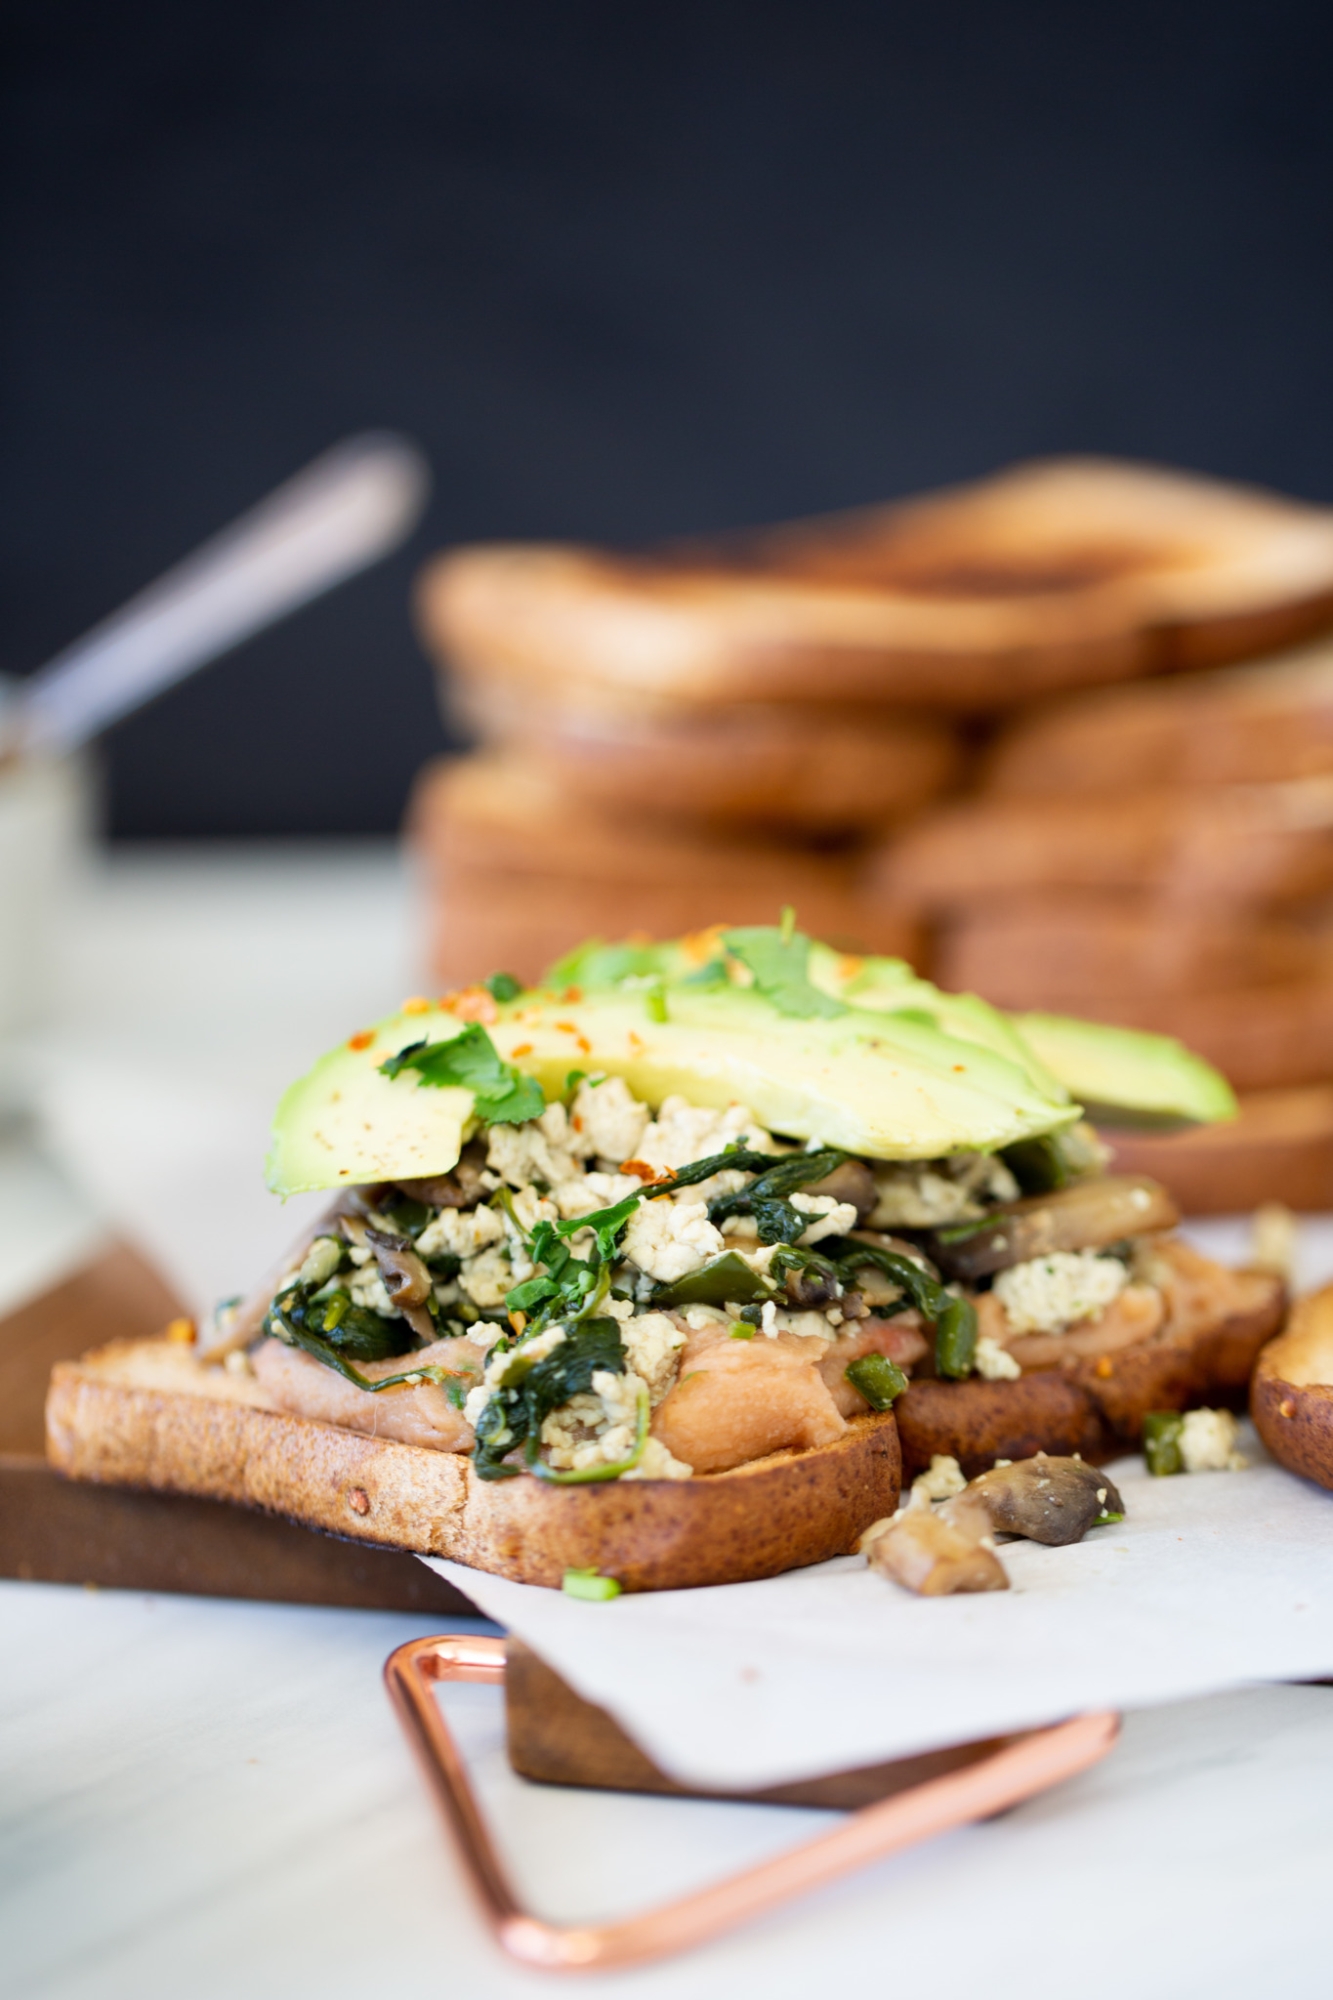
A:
(1257, 723)
(1280, 1148)
(1227, 844)
(1260, 1037)
(811, 766)
(1057, 574)
(1067, 952)
(516, 870)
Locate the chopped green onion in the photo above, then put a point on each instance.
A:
(589, 1585)
(503, 986)
(1106, 1518)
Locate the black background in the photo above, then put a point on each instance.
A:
(624, 271)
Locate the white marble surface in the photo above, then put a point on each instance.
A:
(213, 1798)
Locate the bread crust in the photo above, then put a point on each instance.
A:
(1096, 1405)
(1279, 1148)
(1061, 574)
(135, 1415)
(1291, 1397)
(810, 766)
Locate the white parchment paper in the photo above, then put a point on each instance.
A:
(1213, 1580)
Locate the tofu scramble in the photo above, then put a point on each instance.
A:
(606, 1291)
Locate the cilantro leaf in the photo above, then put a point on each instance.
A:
(780, 965)
(502, 1095)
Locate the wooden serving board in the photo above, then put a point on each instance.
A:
(54, 1530)
(558, 1738)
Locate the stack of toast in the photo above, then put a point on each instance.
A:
(1162, 855)
(927, 726)
(738, 723)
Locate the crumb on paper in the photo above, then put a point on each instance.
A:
(1274, 1240)
(1208, 1442)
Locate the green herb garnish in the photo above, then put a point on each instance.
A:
(779, 960)
(501, 1094)
(503, 986)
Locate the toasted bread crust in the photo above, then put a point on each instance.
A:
(810, 766)
(132, 1416)
(1062, 574)
(1280, 1148)
(1097, 1405)
(1291, 1397)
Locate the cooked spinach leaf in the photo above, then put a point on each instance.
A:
(526, 1396)
(286, 1321)
(352, 1330)
(766, 1197)
(471, 1061)
(726, 1277)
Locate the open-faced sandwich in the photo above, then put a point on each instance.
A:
(647, 1271)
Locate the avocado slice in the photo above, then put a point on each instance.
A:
(1122, 1076)
(887, 1086)
(889, 985)
(1127, 1078)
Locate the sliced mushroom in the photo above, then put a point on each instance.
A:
(461, 1187)
(938, 1554)
(1049, 1500)
(1088, 1215)
(853, 1182)
(812, 1288)
(406, 1278)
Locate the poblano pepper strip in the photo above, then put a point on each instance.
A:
(954, 1319)
(877, 1378)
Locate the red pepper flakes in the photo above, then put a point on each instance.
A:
(363, 1040)
(642, 1171)
(523, 1049)
(416, 1005)
(572, 995)
(474, 1003)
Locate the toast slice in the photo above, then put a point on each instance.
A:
(1218, 846)
(1279, 1148)
(1073, 950)
(803, 765)
(1057, 574)
(514, 867)
(1240, 725)
(149, 1414)
(1096, 1403)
